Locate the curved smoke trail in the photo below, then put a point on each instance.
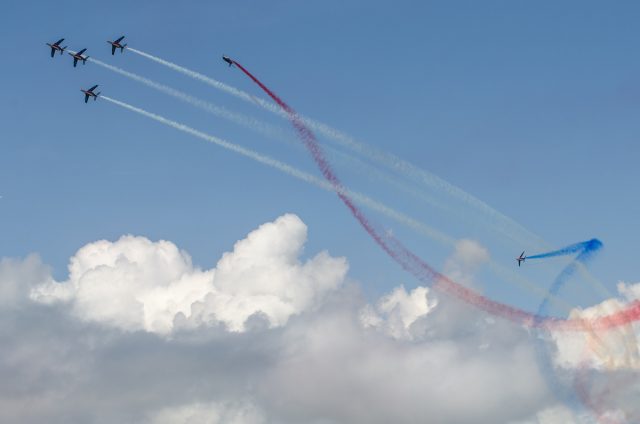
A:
(420, 269)
(586, 247)
(500, 222)
(586, 250)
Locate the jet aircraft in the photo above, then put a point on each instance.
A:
(228, 60)
(78, 56)
(117, 45)
(55, 47)
(521, 258)
(89, 93)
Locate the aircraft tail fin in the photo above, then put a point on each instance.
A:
(122, 48)
(96, 98)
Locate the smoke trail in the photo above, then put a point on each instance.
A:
(620, 318)
(412, 263)
(259, 126)
(586, 250)
(210, 81)
(277, 133)
(500, 222)
(292, 171)
(504, 224)
(585, 247)
(216, 110)
(426, 274)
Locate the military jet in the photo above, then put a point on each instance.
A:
(89, 93)
(78, 56)
(521, 258)
(55, 47)
(117, 45)
(228, 60)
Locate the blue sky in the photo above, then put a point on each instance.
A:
(531, 107)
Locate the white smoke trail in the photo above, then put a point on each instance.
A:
(209, 107)
(294, 172)
(272, 132)
(504, 224)
(212, 82)
(323, 184)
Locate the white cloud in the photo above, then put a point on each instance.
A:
(412, 355)
(209, 413)
(396, 312)
(463, 264)
(136, 284)
(611, 349)
(558, 414)
(18, 276)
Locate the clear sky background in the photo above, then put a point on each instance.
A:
(530, 106)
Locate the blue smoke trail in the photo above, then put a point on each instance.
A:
(582, 247)
(586, 250)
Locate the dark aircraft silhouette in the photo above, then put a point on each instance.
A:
(521, 258)
(55, 47)
(89, 93)
(228, 60)
(78, 56)
(117, 45)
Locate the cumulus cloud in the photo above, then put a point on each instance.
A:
(18, 276)
(138, 333)
(136, 284)
(209, 413)
(396, 312)
(615, 349)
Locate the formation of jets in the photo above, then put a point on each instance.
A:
(79, 56)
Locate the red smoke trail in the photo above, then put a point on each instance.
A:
(420, 269)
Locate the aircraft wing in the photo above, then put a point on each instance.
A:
(75, 61)
(53, 52)
(86, 97)
(119, 39)
(113, 49)
(93, 88)
(82, 51)
(58, 42)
